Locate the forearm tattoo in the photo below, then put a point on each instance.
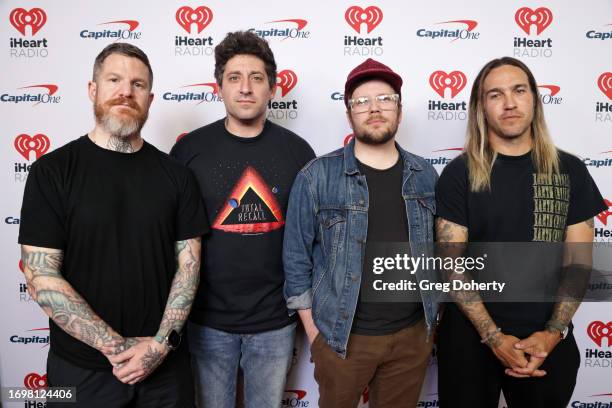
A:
(61, 302)
(454, 241)
(184, 286)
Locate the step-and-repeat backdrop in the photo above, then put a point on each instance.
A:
(47, 49)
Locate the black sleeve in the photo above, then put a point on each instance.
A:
(178, 152)
(300, 150)
(191, 219)
(585, 199)
(451, 193)
(43, 216)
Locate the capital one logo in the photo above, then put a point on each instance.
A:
(599, 330)
(554, 89)
(348, 138)
(541, 18)
(35, 381)
(39, 144)
(603, 216)
(370, 16)
(286, 80)
(200, 16)
(604, 82)
(21, 18)
(440, 81)
(295, 399)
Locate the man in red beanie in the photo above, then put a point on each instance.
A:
(346, 209)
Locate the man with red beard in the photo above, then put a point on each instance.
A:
(347, 207)
(110, 243)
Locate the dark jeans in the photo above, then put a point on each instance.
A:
(469, 374)
(169, 386)
(393, 366)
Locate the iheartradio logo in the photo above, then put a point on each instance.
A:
(603, 216)
(440, 81)
(370, 16)
(604, 82)
(35, 381)
(541, 18)
(201, 17)
(598, 331)
(286, 80)
(39, 144)
(21, 18)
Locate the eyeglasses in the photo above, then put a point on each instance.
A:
(384, 102)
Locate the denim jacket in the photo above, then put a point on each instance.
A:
(325, 236)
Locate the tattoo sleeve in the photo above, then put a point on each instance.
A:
(184, 287)
(59, 300)
(452, 241)
(577, 266)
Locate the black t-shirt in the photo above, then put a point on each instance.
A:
(245, 183)
(387, 222)
(522, 206)
(117, 217)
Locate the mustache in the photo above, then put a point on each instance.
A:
(375, 117)
(123, 101)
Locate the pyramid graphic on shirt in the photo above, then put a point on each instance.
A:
(250, 208)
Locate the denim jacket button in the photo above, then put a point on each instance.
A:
(354, 278)
(361, 202)
(345, 316)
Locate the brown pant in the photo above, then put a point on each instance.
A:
(393, 366)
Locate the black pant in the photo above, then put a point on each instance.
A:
(169, 386)
(469, 374)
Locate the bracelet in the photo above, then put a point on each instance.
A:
(557, 326)
(490, 336)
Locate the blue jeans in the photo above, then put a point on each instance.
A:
(265, 359)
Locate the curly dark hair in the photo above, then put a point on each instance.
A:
(241, 43)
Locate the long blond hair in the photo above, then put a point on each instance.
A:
(479, 154)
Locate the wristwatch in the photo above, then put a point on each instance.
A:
(172, 339)
(557, 326)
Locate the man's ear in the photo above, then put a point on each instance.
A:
(92, 89)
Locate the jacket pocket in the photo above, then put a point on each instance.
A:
(332, 227)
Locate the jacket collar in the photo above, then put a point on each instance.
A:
(350, 161)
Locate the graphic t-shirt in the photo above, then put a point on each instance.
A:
(117, 218)
(245, 183)
(522, 206)
(387, 222)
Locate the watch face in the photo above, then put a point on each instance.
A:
(174, 339)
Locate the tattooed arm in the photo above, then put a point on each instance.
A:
(579, 253)
(59, 300)
(144, 354)
(577, 262)
(454, 239)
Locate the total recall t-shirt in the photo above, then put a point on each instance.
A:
(245, 183)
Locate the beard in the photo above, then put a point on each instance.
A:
(122, 125)
(370, 138)
(510, 134)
